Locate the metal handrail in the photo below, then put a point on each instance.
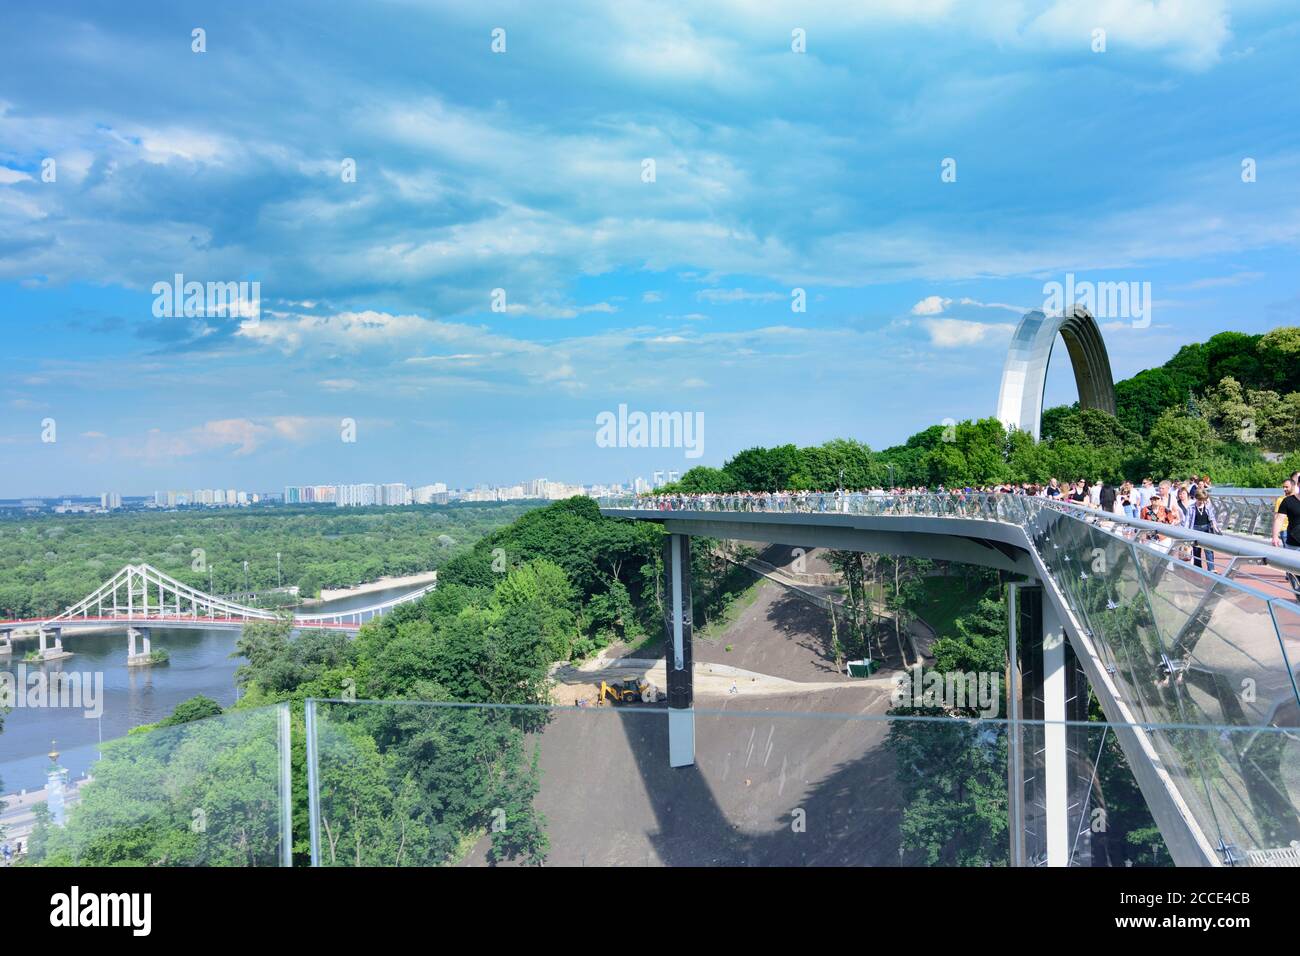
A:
(983, 504)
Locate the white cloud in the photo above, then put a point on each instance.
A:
(956, 333)
(235, 436)
(931, 305)
(1191, 33)
(1017, 309)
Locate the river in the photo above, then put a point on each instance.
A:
(200, 663)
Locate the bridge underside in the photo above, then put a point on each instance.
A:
(996, 546)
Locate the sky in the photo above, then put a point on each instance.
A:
(561, 208)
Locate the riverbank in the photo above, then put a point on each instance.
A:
(383, 584)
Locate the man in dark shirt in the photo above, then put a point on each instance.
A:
(1288, 510)
(1288, 507)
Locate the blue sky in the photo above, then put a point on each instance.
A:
(523, 171)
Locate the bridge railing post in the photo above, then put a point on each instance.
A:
(313, 780)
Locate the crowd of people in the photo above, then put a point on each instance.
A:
(1188, 504)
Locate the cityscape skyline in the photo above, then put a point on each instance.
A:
(381, 493)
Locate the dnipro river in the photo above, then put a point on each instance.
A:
(200, 664)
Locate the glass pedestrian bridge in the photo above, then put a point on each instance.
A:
(1168, 647)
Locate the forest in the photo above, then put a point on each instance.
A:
(48, 562)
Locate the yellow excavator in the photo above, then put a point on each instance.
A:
(631, 690)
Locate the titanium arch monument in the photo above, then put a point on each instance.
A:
(1024, 376)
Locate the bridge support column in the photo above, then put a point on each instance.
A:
(1015, 733)
(144, 657)
(55, 653)
(677, 624)
(1047, 775)
(1055, 753)
(6, 642)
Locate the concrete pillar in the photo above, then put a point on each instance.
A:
(6, 642)
(677, 621)
(1015, 734)
(41, 632)
(1056, 756)
(130, 642)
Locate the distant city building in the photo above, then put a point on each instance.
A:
(398, 493)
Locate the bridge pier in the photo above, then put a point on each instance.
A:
(677, 625)
(1055, 778)
(1015, 738)
(144, 658)
(55, 653)
(6, 641)
(1047, 771)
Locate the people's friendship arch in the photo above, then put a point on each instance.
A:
(1024, 376)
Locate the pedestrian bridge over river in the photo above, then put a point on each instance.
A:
(140, 596)
(1170, 649)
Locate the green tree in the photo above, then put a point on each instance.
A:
(764, 469)
(196, 708)
(1279, 358)
(1179, 445)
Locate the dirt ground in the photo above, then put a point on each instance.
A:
(781, 778)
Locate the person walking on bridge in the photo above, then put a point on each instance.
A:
(1201, 516)
(1286, 527)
